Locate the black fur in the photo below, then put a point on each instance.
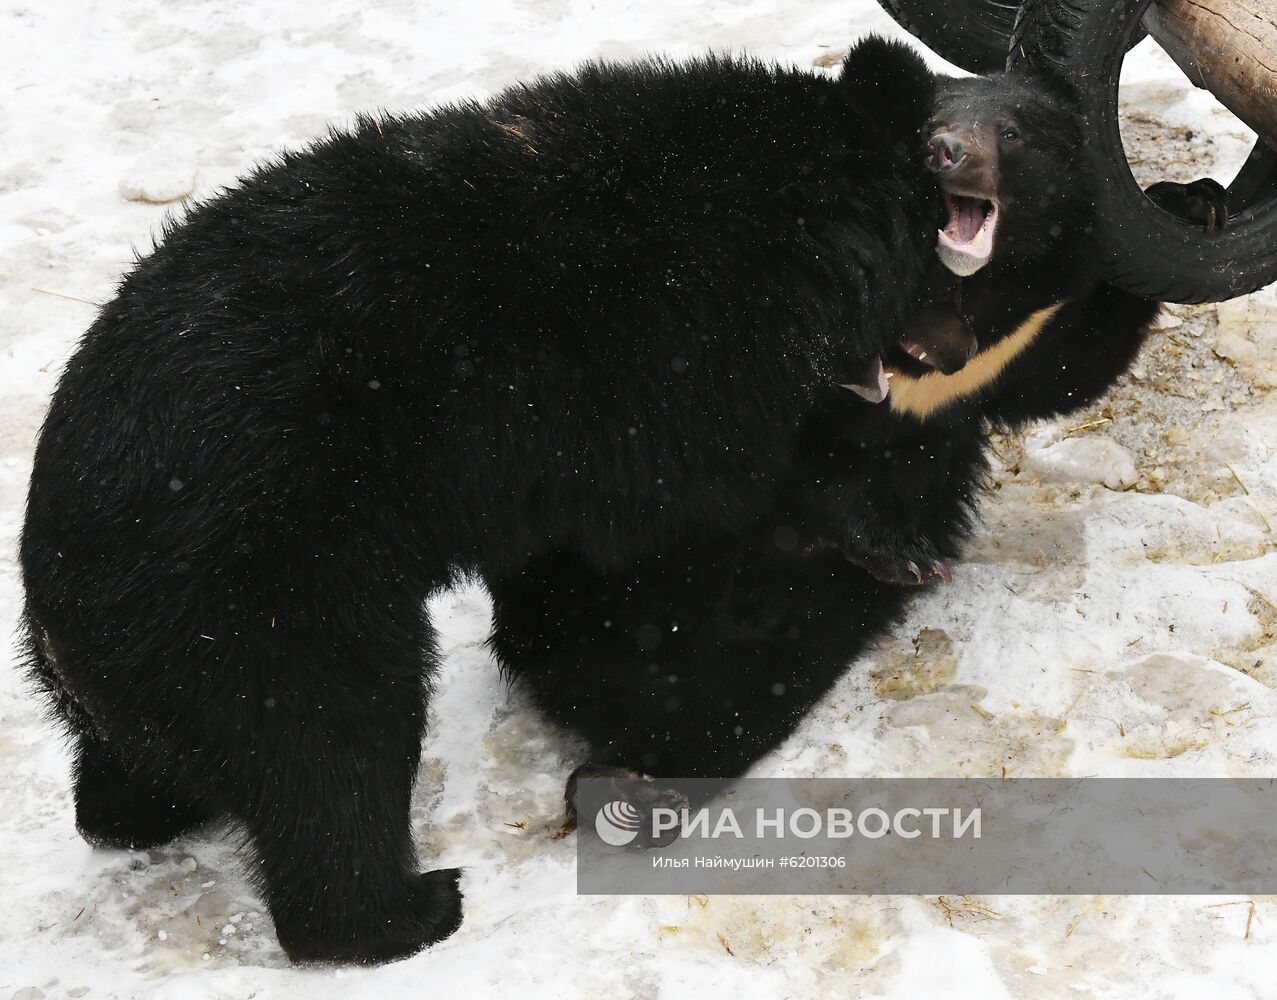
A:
(573, 329)
(767, 624)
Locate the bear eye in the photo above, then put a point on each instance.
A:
(1010, 135)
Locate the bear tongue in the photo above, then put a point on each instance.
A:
(966, 217)
(970, 218)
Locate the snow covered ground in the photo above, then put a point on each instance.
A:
(1117, 615)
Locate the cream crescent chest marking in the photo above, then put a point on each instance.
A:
(923, 396)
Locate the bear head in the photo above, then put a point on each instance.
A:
(1010, 153)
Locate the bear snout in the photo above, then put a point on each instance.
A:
(945, 152)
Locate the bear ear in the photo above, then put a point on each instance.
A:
(889, 84)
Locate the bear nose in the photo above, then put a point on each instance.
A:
(945, 152)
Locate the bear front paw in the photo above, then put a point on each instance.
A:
(910, 565)
(1204, 201)
(639, 790)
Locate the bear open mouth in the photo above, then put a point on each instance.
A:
(912, 358)
(966, 242)
(917, 351)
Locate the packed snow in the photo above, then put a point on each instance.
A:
(1116, 615)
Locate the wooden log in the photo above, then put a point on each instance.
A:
(1227, 47)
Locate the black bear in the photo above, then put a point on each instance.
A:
(591, 320)
(693, 663)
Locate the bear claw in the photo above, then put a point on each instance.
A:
(907, 572)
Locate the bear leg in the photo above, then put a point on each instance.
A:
(327, 808)
(693, 665)
(307, 734)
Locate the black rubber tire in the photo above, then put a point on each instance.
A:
(972, 34)
(1145, 249)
